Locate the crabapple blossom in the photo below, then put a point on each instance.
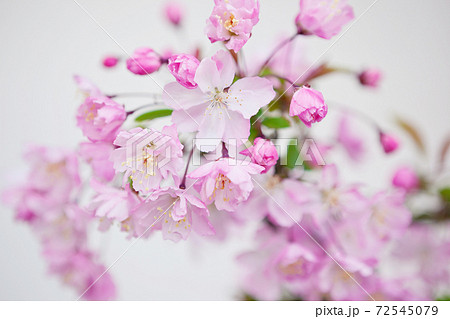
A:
(225, 184)
(232, 21)
(350, 139)
(144, 61)
(100, 118)
(263, 153)
(183, 67)
(370, 77)
(87, 87)
(323, 18)
(174, 212)
(97, 155)
(110, 61)
(388, 142)
(173, 12)
(217, 109)
(406, 178)
(148, 157)
(309, 105)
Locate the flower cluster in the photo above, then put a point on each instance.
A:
(218, 161)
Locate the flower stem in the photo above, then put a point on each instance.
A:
(183, 181)
(275, 50)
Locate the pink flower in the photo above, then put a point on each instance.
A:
(144, 61)
(148, 156)
(173, 13)
(111, 202)
(324, 19)
(225, 184)
(231, 21)
(183, 68)
(97, 155)
(309, 105)
(388, 142)
(406, 179)
(173, 211)
(370, 77)
(263, 153)
(110, 61)
(350, 140)
(216, 109)
(100, 118)
(86, 86)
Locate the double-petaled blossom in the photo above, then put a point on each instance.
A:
(217, 109)
(225, 182)
(370, 77)
(309, 105)
(388, 142)
(175, 212)
(263, 153)
(323, 18)
(97, 155)
(148, 156)
(100, 118)
(406, 178)
(144, 61)
(232, 21)
(183, 68)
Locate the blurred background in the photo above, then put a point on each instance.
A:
(45, 42)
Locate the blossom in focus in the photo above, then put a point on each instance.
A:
(174, 212)
(97, 155)
(350, 140)
(309, 105)
(406, 179)
(388, 142)
(110, 61)
(232, 21)
(225, 183)
(183, 68)
(173, 12)
(144, 61)
(217, 109)
(148, 156)
(100, 118)
(323, 18)
(263, 153)
(370, 77)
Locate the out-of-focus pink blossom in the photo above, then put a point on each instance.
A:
(100, 118)
(263, 153)
(309, 105)
(224, 183)
(110, 61)
(175, 212)
(406, 179)
(97, 155)
(217, 109)
(144, 61)
(350, 140)
(173, 12)
(86, 86)
(323, 18)
(370, 77)
(183, 68)
(148, 156)
(389, 143)
(232, 21)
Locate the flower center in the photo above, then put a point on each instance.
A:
(292, 269)
(230, 23)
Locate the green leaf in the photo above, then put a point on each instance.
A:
(443, 298)
(153, 115)
(276, 122)
(445, 194)
(292, 154)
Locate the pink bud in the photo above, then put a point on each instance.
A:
(263, 153)
(144, 61)
(370, 77)
(388, 142)
(405, 178)
(173, 13)
(183, 68)
(110, 61)
(309, 105)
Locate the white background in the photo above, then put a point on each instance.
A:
(44, 42)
